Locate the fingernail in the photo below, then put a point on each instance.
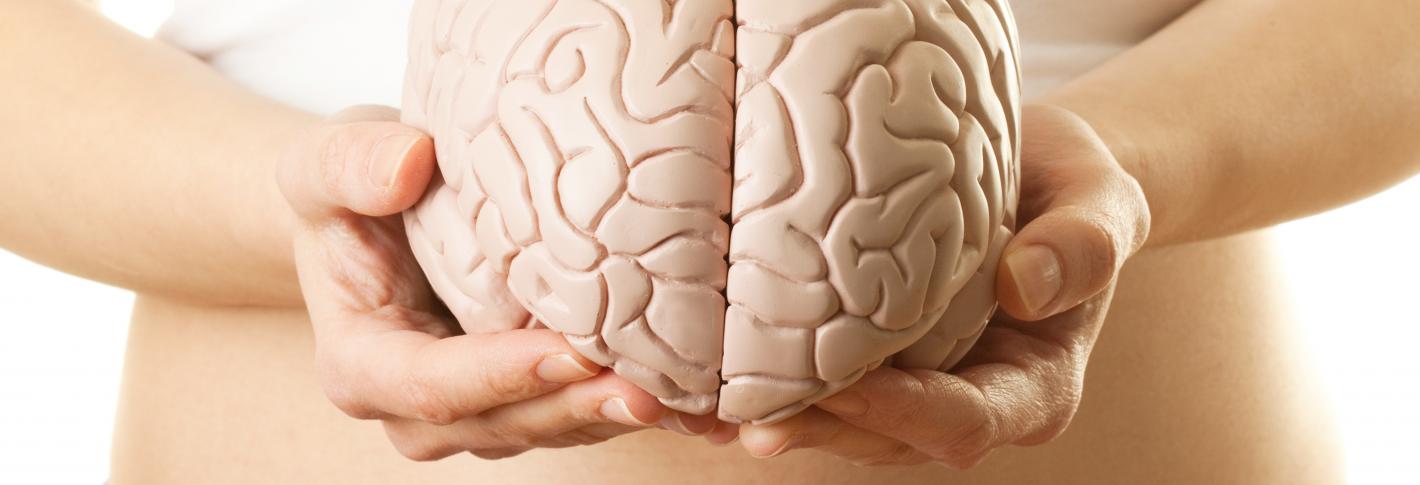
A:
(697, 425)
(676, 422)
(616, 409)
(563, 368)
(387, 156)
(718, 441)
(847, 404)
(672, 422)
(1036, 272)
(723, 434)
(786, 446)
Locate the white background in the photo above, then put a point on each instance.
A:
(1354, 274)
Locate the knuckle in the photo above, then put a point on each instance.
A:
(975, 441)
(1135, 199)
(1098, 234)
(331, 157)
(1129, 212)
(421, 453)
(497, 453)
(971, 441)
(900, 417)
(966, 462)
(576, 438)
(511, 434)
(903, 409)
(508, 386)
(1094, 249)
(352, 406)
(899, 454)
(1054, 425)
(416, 448)
(424, 401)
(344, 397)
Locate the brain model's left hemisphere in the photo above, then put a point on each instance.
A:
(586, 184)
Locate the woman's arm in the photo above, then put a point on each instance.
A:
(1247, 113)
(129, 162)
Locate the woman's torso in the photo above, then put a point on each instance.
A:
(1195, 380)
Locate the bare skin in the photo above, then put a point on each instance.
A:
(1195, 379)
(1212, 158)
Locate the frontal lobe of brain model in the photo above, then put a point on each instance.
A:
(743, 206)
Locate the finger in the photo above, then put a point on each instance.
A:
(605, 399)
(430, 448)
(816, 429)
(499, 454)
(362, 161)
(723, 433)
(1059, 347)
(415, 445)
(412, 374)
(689, 424)
(589, 435)
(955, 420)
(412, 439)
(1079, 235)
(577, 414)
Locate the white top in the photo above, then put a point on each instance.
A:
(323, 55)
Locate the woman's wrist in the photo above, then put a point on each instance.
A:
(252, 226)
(270, 224)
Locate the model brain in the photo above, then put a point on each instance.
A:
(739, 206)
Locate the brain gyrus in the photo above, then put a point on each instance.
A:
(739, 206)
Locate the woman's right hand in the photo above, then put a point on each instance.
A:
(384, 353)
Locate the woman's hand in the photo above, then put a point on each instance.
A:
(382, 349)
(1021, 383)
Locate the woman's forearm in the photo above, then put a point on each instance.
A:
(130, 162)
(1247, 113)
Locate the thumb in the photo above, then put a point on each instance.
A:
(1066, 256)
(1091, 216)
(362, 161)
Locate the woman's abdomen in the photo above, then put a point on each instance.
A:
(1198, 378)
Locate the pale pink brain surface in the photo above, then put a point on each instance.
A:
(739, 206)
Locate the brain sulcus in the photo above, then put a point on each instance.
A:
(739, 206)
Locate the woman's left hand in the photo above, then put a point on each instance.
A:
(1022, 382)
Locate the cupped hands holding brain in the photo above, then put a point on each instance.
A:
(741, 207)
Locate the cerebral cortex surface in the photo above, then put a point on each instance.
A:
(739, 206)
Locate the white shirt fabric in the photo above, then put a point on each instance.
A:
(323, 55)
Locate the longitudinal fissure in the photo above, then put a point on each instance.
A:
(844, 223)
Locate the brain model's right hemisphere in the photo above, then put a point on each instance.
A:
(740, 206)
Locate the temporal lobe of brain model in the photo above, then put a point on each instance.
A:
(739, 206)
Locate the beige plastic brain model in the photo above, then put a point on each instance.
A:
(739, 206)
